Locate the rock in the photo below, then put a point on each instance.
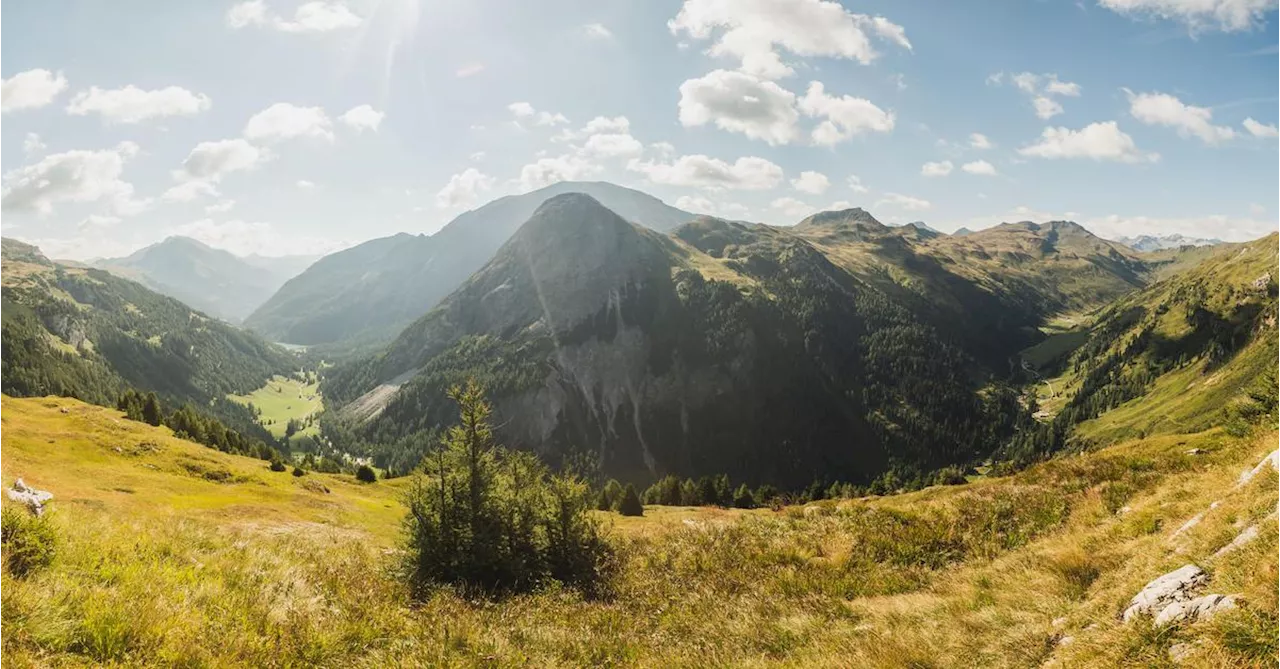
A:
(1066, 641)
(30, 497)
(1059, 622)
(1200, 608)
(1175, 586)
(1179, 652)
(1124, 509)
(1249, 534)
(1272, 461)
(1195, 520)
(1196, 451)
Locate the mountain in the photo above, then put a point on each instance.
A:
(722, 347)
(214, 281)
(87, 333)
(368, 293)
(1156, 243)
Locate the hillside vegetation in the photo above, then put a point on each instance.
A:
(175, 554)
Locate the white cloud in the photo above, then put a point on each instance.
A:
(245, 238)
(211, 160)
(469, 70)
(1042, 88)
(663, 149)
(30, 90)
(699, 171)
(282, 121)
(899, 81)
(188, 191)
(309, 17)
(73, 176)
(464, 189)
(617, 124)
(477, 156)
(979, 167)
(1199, 15)
(814, 183)
(32, 144)
(362, 118)
(547, 171)
(905, 202)
(739, 102)
(792, 208)
(134, 105)
(305, 184)
(1226, 228)
(613, 145)
(755, 32)
(222, 206)
(97, 223)
(855, 184)
(526, 110)
(979, 141)
(597, 31)
(1260, 129)
(845, 116)
(941, 169)
(1167, 110)
(1096, 141)
(698, 204)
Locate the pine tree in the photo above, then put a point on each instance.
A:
(743, 499)
(610, 496)
(689, 494)
(630, 505)
(151, 411)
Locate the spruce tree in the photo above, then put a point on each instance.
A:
(743, 499)
(151, 412)
(630, 505)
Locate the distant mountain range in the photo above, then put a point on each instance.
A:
(1161, 242)
(214, 281)
(371, 291)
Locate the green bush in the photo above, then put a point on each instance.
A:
(493, 521)
(29, 541)
(299, 471)
(629, 504)
(610, 496)
(743, 499)
(365, 474)
(278, 466)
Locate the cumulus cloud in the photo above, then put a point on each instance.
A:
(32, 144)
(1199, 15)
(30, 90)
(905, 202)
(756, 32)
(979, 141)
(135, 105)
(940, 169)
(282, 121)
(855, 184)
(97, 223)
(1169, 111)
(1096, 141)
(524, 110)
(362, 118)
(699, 171)
(979, 167)
(220, 207)
(845, 116)
(739, 102)
(245, 238)
(699, 204)
(1226, 228)
(309, 17)
(188, 191)
(73, 176)
(612, 145)
(1042, 89)
(1258, 129)
(464, 189)
(546, 171)
(814, 183)
(207, 163)
(792, 208)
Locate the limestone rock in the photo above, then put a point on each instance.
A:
(30, 497)
(1200, 608)
(1249, 534)
(1175, 586)
(1272, 461)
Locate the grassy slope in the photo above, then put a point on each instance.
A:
(261, 571)
(281, 399)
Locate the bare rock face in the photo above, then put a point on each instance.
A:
(1200, 608)
(1272, 461)
(1175, 586)
(30, 497)
(1249, 534)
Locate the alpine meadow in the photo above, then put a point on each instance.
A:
(683, 333)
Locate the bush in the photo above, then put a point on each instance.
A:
(492, 521)
(29, 541)
(278, 466)
(298, 471)
(630, 504)
(365, 474)
(610, 496)
(743, 499)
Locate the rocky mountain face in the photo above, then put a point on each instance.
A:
(827, 350)
(370, 292)
(211, 280)
(1161, 242)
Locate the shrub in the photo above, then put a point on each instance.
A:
(610, 496)
(743, 499)
(629, 504)
(278, 466)
(298, 471)
(29, 541)
(365, 474)
(492, 521)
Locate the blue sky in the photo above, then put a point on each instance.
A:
(280, 126)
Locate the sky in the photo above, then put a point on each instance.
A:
(281, 127)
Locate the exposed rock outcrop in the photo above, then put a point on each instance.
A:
(33, 499)
(1200, 608)
(1175, 586)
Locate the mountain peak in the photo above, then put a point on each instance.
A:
(841, 217)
